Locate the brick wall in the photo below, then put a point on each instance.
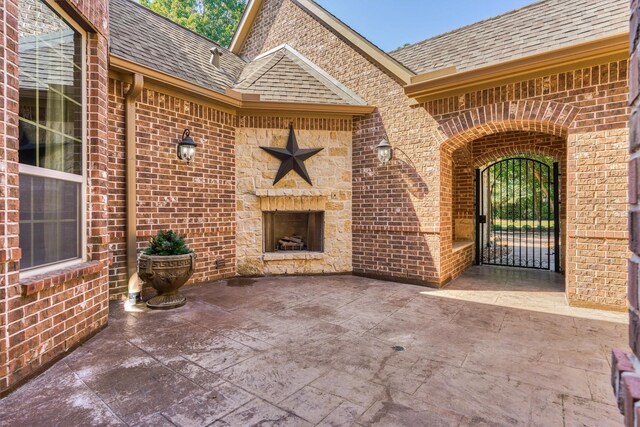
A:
(463, 200)
(392, 237)
(9, 251)
(625, 377)
(634, 180)
(44, 316)
(491, 148)
(197, 200)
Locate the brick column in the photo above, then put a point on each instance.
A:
(634, 174)
(9, 251)
(626, 366)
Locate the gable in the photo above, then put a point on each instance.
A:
(260, 15)
(283, 74)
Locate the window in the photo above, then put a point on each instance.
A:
(51, 127)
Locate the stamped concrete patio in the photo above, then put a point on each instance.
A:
(497, 347)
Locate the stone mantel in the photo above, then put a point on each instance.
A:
(293, 192)
(301, 200)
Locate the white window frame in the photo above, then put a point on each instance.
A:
(49, 173)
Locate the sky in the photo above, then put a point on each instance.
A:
(390, 24)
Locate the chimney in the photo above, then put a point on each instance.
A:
(216, 53)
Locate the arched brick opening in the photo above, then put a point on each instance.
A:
(493, 156)
(481, 136)
(529, 115)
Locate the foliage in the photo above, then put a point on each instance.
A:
(167, 243)
(214, 19)
(519, 192)
(539, 226)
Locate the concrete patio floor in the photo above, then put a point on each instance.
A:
(496, 347)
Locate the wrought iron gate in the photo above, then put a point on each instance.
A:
(518, 214)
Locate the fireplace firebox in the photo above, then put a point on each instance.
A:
(293, 231)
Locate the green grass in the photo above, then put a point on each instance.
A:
(521, 222)
(521, 225)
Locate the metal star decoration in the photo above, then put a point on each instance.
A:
(292, 157)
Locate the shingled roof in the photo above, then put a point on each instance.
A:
(285, 75)
(542, 26)
(146, 38)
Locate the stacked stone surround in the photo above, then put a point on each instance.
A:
(410, 202)
(330, 172)
(625, 376)
(43, 317)
(196, 200)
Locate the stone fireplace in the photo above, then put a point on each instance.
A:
(293, 231)
(312, 221)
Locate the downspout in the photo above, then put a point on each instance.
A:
(130, 140)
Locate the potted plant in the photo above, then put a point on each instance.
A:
(166, 265)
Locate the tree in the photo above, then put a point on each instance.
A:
(214, 19)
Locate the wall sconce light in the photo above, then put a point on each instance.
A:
(186, 149)
(384, 151)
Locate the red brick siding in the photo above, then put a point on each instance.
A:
(463, 184)
(197, 200)
(597, 219)
(491, 148)
(9, 250)
(44, 316)
(600, 92)
(117, 191)
(460, 261)
(388, 239)
(625, 377)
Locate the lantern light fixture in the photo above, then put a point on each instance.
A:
(385, 152)
(186, 149)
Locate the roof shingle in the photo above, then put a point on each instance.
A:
(148, 39)
(285, 75)
(542, 26)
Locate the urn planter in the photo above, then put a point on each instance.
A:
(166, 265)
(166, 274)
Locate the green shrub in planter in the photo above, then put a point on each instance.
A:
(166, 265)
(167, 243)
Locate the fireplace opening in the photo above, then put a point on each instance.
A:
(293, 231)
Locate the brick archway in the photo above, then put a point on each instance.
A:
(527, 117)
(533, 116)
(500, 153)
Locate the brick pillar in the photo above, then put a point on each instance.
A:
(626, 366)
(9, 250)
(634, 175)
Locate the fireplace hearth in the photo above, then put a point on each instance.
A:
(293, 231)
